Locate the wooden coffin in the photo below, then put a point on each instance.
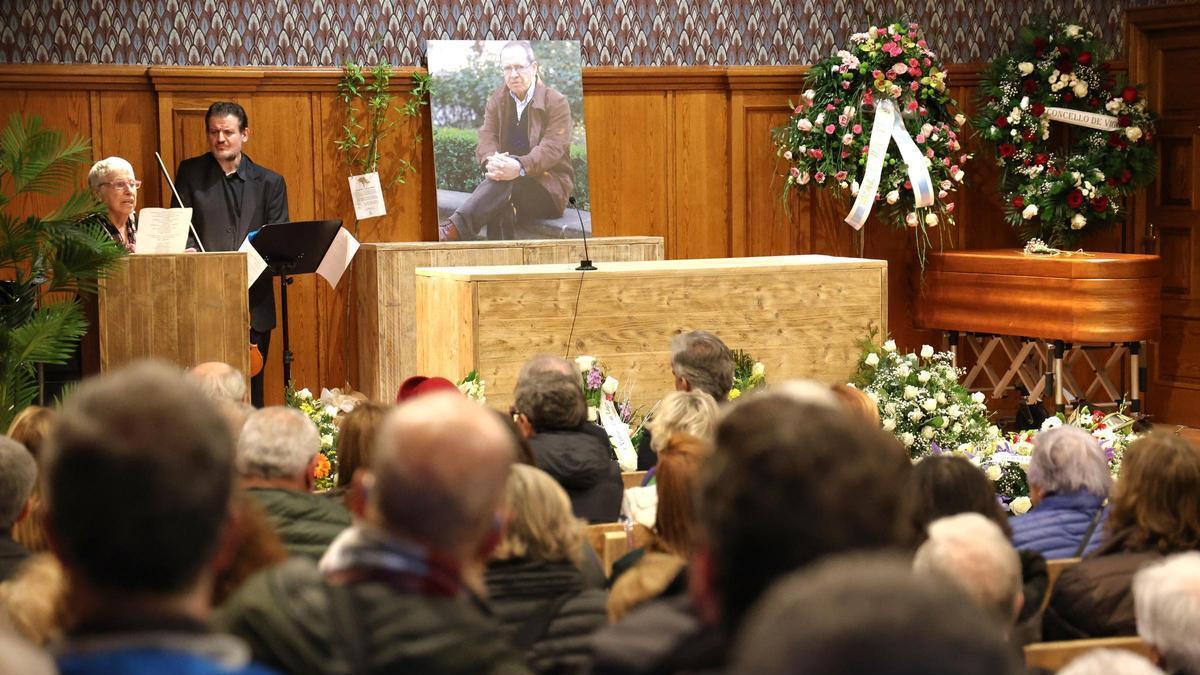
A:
(1094, 298)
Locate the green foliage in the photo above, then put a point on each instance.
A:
(64, 252)
(454, 154)
(368, 100)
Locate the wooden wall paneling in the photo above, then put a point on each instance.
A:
(69, 112)
(761, 223)
(126, 125)
(700, 224)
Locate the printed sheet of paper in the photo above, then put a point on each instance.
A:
(163, 230)
(367, 194)
(338, 257)
(255, 265)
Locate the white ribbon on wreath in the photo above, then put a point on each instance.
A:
(889, 126)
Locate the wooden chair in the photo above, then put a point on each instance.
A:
(1055, 655)
(1053, 569)
(633, 478)
(611, 541)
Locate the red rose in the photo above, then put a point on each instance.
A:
(1123, 120)
(1018, 202)
(1007, 149)
(1114, 139)
(1039, 42)
(1037, 109)
(1001, 121)
(1084, 58)
(1110, 181)
(1031, 86)
(1100, 204)
(1075, 198)
(1064, 65)
(1041, 158)
(1093, 101)
(1068, 97)
(1129, 94)
(1028, 135)
(1126, 176)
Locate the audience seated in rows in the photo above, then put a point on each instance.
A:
(31, 428)
(551, 412)
(18, 474)
(946, 485)
(660, 569)
(137, 498)
(971, 552)
(534, 583)
(1069, 482)
(1166, 598)
(700, 361)
(357, 431)
(788, 483)
(851, 615)
(689, 412)
(389, 593)
(276, 455)
(1155, 512)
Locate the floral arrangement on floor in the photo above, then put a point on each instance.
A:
(474, 387)
(886, 84)
(1006, 462)
(922, 402)
(324, 415)
(1057, 72)
(748, 374)
(599, 386)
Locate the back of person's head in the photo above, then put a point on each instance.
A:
(31, 428)
(541, 525)
(34, 601)
(524, 450)
(1067, 460)
(677, 479)
(18, 474)
(220, 381)
(138, 494)
(944, 485)
(551, 400)
(546, 363)
(856, 402)
(357, 431)
(277, 443)
(1166, 598)
(1109, 661)
(703, 360)
(690, 412)
(440, 467)
(789, 483)
(970, 551)
(253, 545)
(851, 615)
(1156, 502)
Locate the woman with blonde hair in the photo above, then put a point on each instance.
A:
(357, 430)
(31, 427)
(533, 579)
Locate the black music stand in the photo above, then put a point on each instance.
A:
(290, 249)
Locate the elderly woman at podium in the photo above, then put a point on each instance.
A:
(112, 181)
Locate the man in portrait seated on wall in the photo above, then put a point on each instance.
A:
(524, 151)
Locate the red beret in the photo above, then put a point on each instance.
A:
(419, 384)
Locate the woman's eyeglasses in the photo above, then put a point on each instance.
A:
(125, 184)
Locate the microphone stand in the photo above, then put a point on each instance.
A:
(179, 199)
(585, 265)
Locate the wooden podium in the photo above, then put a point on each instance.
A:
(385, 292)
(802, 316)
(184, 308)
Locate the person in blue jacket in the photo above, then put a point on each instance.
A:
(1069, 482)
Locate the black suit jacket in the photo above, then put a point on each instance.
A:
(200, 182)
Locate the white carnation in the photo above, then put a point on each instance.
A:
(1052, 422)
(584, 363)
(1021, 505)
(889, 424)
(929, 404)
(610, 385)
(927, 433)
(910, 392)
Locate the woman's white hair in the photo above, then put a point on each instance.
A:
(276, 442)
(1068, 459)
(106, 167)
(1166, 599)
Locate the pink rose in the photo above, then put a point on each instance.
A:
(845, 84)
(841, 175)
(950, 207)
(857, 128)
(829, 128)
(914, 85)
(819, 176)
(842, 120)
(920, 138)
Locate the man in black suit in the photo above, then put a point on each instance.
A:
(231, 197)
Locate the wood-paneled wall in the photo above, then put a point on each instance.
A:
(680, 152)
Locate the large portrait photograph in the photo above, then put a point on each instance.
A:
(509, 145)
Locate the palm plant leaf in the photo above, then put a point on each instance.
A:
(50, 336)
(83, 254)
(36, 158)
(18, 389)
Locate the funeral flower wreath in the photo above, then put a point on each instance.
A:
(1053, 191)
(887, 85)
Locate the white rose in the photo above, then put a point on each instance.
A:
(904, 370)
(1133, 133)
(593, 413)
(889, 346)
(1114, 105)
(847, 139)
(993, 431)
(803, 180)
(941, 398)
(889, 424)
(1052, 422)
(787, 154)
(1073, 31)
(326, 441)
(872, 359)
(910, 392)
(810, 94)
(893, 196)
(960, 119)
(820, 119)
(907, 439)
(304, 394)
(957, 428)
(924, 376)
(954, 410)
(927, 433)
(915, 416)
(1078, 221)
(1024, 104)
(759, 369)
(931, 219)
(890, 408)
(804, 125)
(584, 363)
(1025, 67)
(911, 220)
(958, 176)
(1021, 505)
(994, 472)
(1080, 88)
(1030, 211)
(331, 410)
(610, 385)
(978, 397)
(929, 404)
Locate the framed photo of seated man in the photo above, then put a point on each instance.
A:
(508, 139)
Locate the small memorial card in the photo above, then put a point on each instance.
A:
(367, 194)
(163, 230)
(255, 265)
(338, 257)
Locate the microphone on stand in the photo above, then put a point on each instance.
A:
(167, 175)
(585, 265)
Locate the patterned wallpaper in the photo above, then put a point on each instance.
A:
(612, 32)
